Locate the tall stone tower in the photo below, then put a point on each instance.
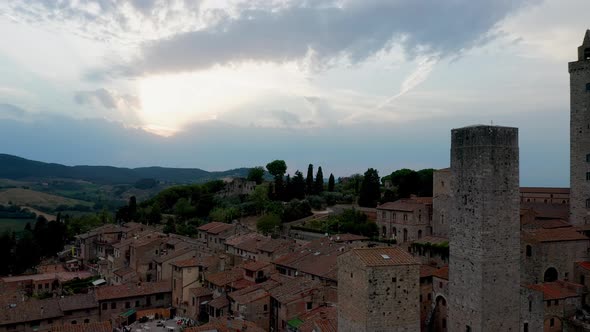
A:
(580, 135)
(484, 269)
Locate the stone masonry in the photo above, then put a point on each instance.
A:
(378, 291)
(442, 201)
(580, 135)
(484, 270)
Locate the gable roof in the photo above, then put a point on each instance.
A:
(78, 302)
(553, 235)
(132, 290)
(558, 289)
(88, 327)
(384, 256)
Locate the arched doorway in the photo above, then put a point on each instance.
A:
(405, 235)
(439, 316)
(550, 275)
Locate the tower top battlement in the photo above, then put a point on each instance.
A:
(584, 49)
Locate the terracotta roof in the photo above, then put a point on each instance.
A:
(31, 310)
(77, 302)
(90, 327)
(427, 271)
(251, 296)
(558, 289)
(215, 227)
(124, 271)
(190, 262)
(442, 273)
(242, 283)
(547, 211)
(584, 265)
(219, 302)
(132, 290)
(348, 237)
(109, 228)
(226, 324)
(294, 289)
(384, 256)
(323, 319)
(171, 254)
(318, 257)
(61, 276)
(543, 190)
(255, 265)
(553, 235)
(150, 239)
(552, 223)
(406, 204)
(225, 277)
(200, 291)
(237, 239)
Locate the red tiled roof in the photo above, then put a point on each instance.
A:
(427, 270)
(384, 256)
(553, 235)
(348, 237)
(432, 240)
(584, 265)
(323, 319)
(77, 302)
(215, 227)
(89, 327)
(200, 291)
(250, 296)
(132, 290)
(547, 211)
(225, 277)
(220, 302)
(255, 265)
(294, 289)
(406, 204)
(545, 190)
(28, 311)
(558, 289)
(553, 223)
(442, 273)
(237, 239)
(124, 271)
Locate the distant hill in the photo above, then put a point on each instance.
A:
(16, 168)
(23, 197)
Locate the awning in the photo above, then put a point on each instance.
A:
(99, 282)
(127, 313)
(295, 322)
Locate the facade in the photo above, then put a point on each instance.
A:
(484, 269)
(545, 195)
(114, 300)
(580, 135)
(406, 219)
(378, 290)
(441, 201)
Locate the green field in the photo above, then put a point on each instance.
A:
(16, 225)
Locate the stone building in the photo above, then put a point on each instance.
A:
(378, 290)
(114, 300)
(560, 301)
(406, 219)
(580, 135)
(550, 254)
(484, 265)
(545, 195)
(441, 201)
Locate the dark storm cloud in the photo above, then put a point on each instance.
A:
(357, 30)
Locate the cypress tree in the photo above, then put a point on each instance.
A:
(309, 180)
(319, 181)
(331, 183)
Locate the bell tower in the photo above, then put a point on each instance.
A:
(580, 135)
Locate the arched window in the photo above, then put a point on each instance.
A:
(384, 231)
(529, 251)
(550, 275)
(394, 231)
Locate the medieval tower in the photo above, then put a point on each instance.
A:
(580, 135)
(484, 270)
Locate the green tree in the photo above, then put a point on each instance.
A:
(268, 224)
(331, 183)
(256, 174)
(319, 182)
(277, 169)
(132, 209)
(184, 210)
(370, 191)
(260, 198)
(154, 216)
(298, 185)
(309, 180)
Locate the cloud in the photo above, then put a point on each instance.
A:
(9, 111)
(355, 30)
(125, 107)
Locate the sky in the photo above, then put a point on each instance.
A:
(342, 84)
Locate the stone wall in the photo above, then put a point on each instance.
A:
(441, 202)
(579, 138)
(531, 310)
(484, 270)
(382, 298)
(560, 255)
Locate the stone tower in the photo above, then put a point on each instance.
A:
(580, 135)
(378, 290)
(484, 265)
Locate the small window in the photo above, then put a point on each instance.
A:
(127, 305)
(74, 322)
(556, 302)
(588, 158)
(467, 328)
(552, 322)
(587, 176)
(86, 321)
(113, 305)
(526, 327)
(549, 303)
(309, 305)
(444, 323)
(587, 86)
(529, 251)
(530, 306)
(394, 279)
(137, 303)
(588, 203)
(104, 306)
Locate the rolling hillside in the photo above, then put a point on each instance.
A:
(16, 168)
(25, 197)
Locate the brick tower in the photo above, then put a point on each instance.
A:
(484, 265)
(580, 135)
